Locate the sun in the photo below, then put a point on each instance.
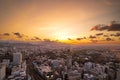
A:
(60, 31)
(62, 36)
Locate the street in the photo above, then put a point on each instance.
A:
(31, 71)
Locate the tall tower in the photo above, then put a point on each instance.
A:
(17, 58)
(69, 60)
(2, 71)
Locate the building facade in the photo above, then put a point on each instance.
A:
(17, 58)
(2, 71)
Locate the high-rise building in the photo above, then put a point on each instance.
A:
(17, 58)
(69, 62)
(2, 71)
(6, 62)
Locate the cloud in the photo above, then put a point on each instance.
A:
(94, 41)
(114, 26)
(99, 27)
(105, 36)
(116, 35)
(84, 38)
(69, 39)
(32, 39)
(18, 34)
(47, 40)
(6, 34)
(109, 39)
(92, 36)
(37, 38)
(99, 34)
(112, 34)
(79, 38)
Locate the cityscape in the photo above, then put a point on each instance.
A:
(27, 61)
(59, 40)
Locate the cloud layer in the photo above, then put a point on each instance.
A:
(114, 26)
(18, 34)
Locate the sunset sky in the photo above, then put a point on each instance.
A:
(70, 21)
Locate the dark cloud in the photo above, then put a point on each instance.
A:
(47, 40)
(105, 36)
(112, 34)
(100, 27)
(99, 34)
(33, 39)
(79, 38)
(114, 26)
(109, 39)
(92, 37)
(84, 38)
(69, 39)
(50, 41)
(116, 35)
(37, 38)
(6, 34)
(18, 34)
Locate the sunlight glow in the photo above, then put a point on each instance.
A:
(62, 35)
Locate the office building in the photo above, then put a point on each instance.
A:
(2, 71)
(17, 58)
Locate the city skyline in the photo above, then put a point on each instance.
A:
(69, 21)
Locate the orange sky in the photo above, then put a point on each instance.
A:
(58, 19)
